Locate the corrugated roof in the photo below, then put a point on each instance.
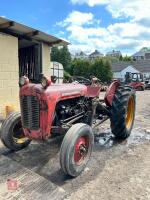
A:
(141, 65)
(20, 30)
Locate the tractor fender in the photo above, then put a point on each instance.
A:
(111, 92)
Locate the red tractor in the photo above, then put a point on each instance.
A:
(71, 109)
(135, 80)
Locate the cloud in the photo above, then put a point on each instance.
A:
(134, 10)
(78, 47)
(3, 16)
(79, 18)
(121, 8)
(85, 31)
(90, 2)
(144, 21)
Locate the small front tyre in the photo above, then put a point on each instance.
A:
(12, 134)
(76, 149)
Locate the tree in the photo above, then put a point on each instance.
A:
(120, 58)
(67, 76)
(55, 54)
(80, 67)
(101, 68)
(127, 58)
(65, 57)
(112, 58)
(109, 73)
(61, 55)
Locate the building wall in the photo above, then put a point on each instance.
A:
(146, 74)
(142, 56)
(128, 69)
(116, 75)
(9, 90)
(46, 60)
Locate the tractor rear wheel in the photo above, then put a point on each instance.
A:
(76, 149)
(122, 112)
(12, 134)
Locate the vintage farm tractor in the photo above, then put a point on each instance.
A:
(71, 109)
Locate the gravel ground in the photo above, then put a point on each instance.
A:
(125, 176)
(115, 171)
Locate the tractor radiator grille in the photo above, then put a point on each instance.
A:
(30, 109)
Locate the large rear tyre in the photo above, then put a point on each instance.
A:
(76, 149)
(12, 134)
(123, 112)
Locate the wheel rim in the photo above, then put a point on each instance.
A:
(81, 149)
(18, 134)
(130, 113)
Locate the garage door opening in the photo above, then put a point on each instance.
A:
(30, 60)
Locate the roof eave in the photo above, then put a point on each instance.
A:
(24, 32)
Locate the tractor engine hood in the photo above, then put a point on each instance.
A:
(62, 91)
(38, 106)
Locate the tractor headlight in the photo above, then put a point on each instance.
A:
(45, 82)
(23, 81)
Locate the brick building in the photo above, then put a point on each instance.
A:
(22, 50)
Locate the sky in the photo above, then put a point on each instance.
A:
(104, 25)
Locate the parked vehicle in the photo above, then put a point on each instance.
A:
(147, 84)
(135, 80)
(72, 109)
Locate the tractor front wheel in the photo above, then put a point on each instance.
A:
(123, 112)
(12, 134)
(76, 149)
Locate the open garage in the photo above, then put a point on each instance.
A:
(23, 51)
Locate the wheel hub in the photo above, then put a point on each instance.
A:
(130, 113)
(81, 149)
(18, 135)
